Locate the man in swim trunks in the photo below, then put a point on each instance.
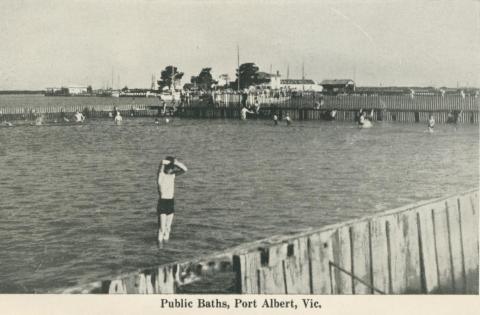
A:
(166, 184)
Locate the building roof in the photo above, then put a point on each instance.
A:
(337, 82)
(296, 81)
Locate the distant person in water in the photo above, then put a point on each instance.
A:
(79, 117)
(118, 119)
(256, 105)
(275, 119)
(288, 119)
(39, 120)
(361, 119)
(431, 123)
(169, 168)
(453, 117)
(244, 111)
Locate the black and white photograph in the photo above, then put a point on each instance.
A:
(239, 149)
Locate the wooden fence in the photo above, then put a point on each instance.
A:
(429, 103)
(402, 108)
(59, 112)
(429, 247)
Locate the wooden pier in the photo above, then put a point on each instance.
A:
(398, 108)
(430, 247)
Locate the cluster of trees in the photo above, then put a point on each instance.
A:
(248, 73)
(203, 80)
(168, 77)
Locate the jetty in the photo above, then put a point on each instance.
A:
(430, 247)
(309, 106)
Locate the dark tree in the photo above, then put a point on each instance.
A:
(168, 77)
(205, 79)
(194, 80)
(249, 75)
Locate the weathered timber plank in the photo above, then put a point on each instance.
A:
(271, 272)
(342, 282)
(397, 255)
(361, 264)
(272, 280)
(427, 238)
(380, 254)
(117, 287)
(130, 283)
(469, 224)
(320, 256)
(164, 280)
(442, 248)
(250, 266)
(409, 227)
(276, 254)
(455, 246)
(297, 273)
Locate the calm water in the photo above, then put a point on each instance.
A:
(78, 202)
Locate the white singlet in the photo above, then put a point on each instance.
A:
(167, 185)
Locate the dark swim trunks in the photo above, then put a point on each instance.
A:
(165, 206)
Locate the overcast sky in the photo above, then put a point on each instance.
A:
(52, 43)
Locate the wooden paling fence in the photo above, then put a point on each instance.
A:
(91, 111)
(402, 108)
(427, 248)
(430, 248)
(426, 103)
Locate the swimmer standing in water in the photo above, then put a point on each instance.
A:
(243, 113)
(169, 168)
(118, 119)
(431, 123)
(79, 117)
(275, 119)
(361, 120)
(288, 119)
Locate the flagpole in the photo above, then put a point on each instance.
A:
(238, 67)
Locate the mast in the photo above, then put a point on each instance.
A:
(355, 74)
(238, 67)
(303, 75)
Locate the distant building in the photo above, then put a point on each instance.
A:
(300, 85)
(56, 91)
(77, 90)
(338, 86)
(274, 81)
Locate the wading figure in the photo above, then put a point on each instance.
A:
(243, 113)
(431, 123)
(118, 119)
(275, 119)
(79, 117)
(167, 171)
(288, 119)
